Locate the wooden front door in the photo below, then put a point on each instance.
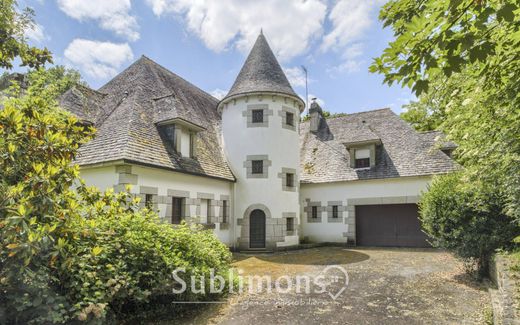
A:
(257, 229)
(177, 203)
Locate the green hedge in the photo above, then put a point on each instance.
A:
(466, 218)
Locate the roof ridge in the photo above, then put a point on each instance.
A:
(177, 76)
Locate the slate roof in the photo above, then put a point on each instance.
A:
(261, 73)
(125, 110)
(438, 140)
(404, 152)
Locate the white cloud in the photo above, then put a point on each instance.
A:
(36, 33)
(350, 20)
(290, 25)
(98, 59)
(296, 76)
(218, 93)
(113, 15)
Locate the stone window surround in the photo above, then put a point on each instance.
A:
(248, 165)
(249, 115)
(283, 114)
(341, 209)
(290, 215)
(127, 178)
(224, 225)
(283, 176)
(308, 210)
(211, 206)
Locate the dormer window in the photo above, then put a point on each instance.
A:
(170, 136)
(363, 153)
(193, 138)
(362, 157)
(180, 136)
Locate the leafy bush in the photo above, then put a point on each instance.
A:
(74, 254)
(468, 221)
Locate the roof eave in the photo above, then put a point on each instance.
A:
(354, 144)
(180, 121)
(295, 97)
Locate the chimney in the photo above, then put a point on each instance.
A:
(316, 115)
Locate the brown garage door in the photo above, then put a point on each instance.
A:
(389, 225)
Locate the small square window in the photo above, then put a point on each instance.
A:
(258, 116)
(289, 118)
(258, 166)
(290, 224)
(289, 180)
(363, 163)
(148, 201)
(314, 212)
(335, 214)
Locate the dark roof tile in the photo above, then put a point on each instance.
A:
(261, 73)
(404, 152)
(140, 96)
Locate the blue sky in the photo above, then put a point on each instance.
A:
(206, 42)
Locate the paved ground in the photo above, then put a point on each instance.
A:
(386, 286)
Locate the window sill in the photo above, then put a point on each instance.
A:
(208, 225)
(362, 168)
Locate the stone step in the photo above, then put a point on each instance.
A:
(256, 251)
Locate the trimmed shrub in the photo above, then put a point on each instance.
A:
(466, 218)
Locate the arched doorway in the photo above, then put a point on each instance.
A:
(257, 229)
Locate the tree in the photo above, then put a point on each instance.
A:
(461, 58)
(13, 43)
(466, 220)
(68, 252)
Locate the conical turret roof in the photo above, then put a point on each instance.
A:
(261, 73)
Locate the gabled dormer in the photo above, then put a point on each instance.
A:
(361, 144)
(363, 153)
(180, 136)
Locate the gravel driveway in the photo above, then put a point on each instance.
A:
(385, 286)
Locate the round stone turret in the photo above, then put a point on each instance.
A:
(260, 122)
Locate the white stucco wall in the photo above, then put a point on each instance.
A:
(280, 144)
(101, 177)
(398, 190)
(164, 180)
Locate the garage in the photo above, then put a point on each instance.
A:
(389, 225)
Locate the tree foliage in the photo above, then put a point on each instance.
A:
(13, 44)
(461, 58)
(467, 220)
(67, 252)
